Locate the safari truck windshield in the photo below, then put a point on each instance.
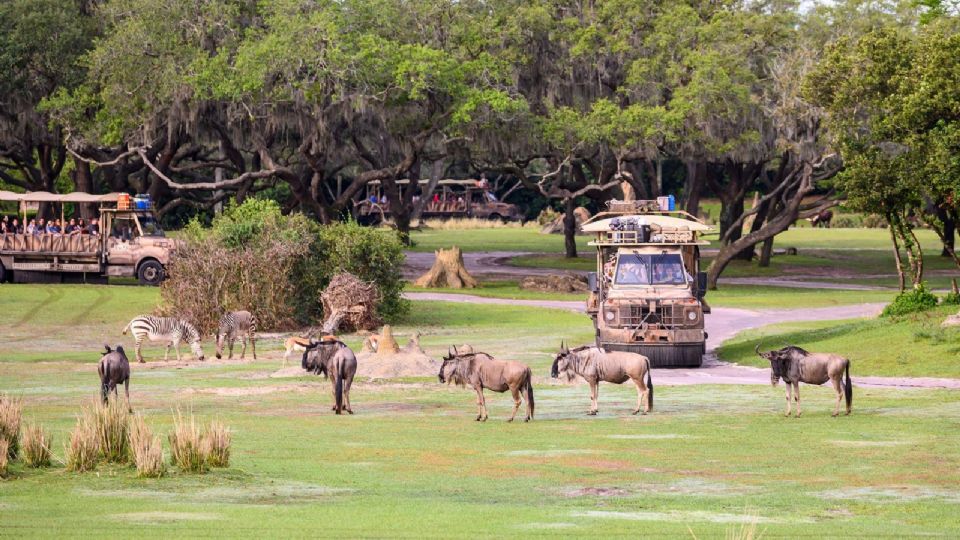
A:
(664, 269)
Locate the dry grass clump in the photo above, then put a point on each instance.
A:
(11, 411)
(147, 449)
(216, 441)
(84, 448)
(35, 446)
(469, 224)
(188, 450)
(112, 424)
(4, 448)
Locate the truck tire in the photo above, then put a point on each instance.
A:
(150, 273)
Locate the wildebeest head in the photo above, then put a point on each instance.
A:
(562, 363)
(780, 360)
(448, 366)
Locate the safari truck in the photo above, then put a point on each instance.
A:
(647, 295)
(450, 199)
(129, 243)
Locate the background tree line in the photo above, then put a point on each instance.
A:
(305, 102)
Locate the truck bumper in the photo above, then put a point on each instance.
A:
(664, 355)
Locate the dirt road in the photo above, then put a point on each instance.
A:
(723, 324)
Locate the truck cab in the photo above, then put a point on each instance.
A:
(647, 295)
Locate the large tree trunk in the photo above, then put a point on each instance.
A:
(570, 228)
(448, 271)
(693, 187)
(83, 182)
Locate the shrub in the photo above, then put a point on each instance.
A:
(147, 449)
(4, 461)
(187, 449)
(11, 412)
(847, 221)
(912, 301)
(874, 221)
(112, 424)
(952, 298)
(83, 450)
(547, 215)
(35, 447)
(216, 442)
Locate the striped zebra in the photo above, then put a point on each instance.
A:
(235, 324)
(168, 329)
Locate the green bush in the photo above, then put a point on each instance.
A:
(847, 221)
(918, 299)
(874, 221)
(952, 298)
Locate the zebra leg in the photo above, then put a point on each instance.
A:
(230, 342)
(176, 347)
(166, 353)
(243, 351)
(253, 345)
(137, 349)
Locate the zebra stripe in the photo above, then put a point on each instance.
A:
(234, 324)
(169, 329)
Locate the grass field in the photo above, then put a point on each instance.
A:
(914, 345)
(412, 463)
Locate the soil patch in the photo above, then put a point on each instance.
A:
(402, 364)
(892, 494)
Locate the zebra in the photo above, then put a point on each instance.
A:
(234, 324)
(168, 329)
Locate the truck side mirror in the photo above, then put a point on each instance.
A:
(701, 285)
(592, 281)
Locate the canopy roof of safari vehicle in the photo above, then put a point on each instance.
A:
(664, 222)
(44, 196)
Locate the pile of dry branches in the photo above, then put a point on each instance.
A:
(207, 279)
(350, 304)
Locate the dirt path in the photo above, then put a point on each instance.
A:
(723, 324)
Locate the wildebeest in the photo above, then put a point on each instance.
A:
(482, 371)
(114, 369)
(334, 360)
(294, 343)
(822, 219)
(595, 364)
(795, 365)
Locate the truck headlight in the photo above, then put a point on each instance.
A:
(609, 315)
(692, 315)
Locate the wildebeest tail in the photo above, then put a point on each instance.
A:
(848, 387)
(530, 405)
(104, 370)
(338, 385)
(649, 387)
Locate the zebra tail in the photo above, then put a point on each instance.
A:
(127, 327)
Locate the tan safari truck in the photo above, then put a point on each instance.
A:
(130, 243)
(647, 295)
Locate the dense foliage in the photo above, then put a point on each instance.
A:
(275, 266)
(912, 301)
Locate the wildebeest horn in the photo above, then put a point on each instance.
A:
(455, 353)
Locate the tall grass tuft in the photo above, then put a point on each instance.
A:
(35, 446)
(11, 411)
(468, 224)
(147, 449)
(84, 448)
(4, 448)
(112, 424)
(216, 442)
(187, 448)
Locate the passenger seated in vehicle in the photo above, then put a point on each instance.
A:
(94, 227)
(15, 227)
(41, 226)
(82, 227)
(32, 227)
(72, 229)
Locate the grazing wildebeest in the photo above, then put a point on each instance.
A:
(114, 369)
(482, 371)
(235, 324)
(332, 358)
(822, 219)
(595, 364)
(795, 365)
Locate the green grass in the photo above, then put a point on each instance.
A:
(914, 345)
(509, 289)
(765, 297)
(412, 463)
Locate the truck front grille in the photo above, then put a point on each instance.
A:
(668, 316)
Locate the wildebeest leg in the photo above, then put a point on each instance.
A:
(126, 389)
(594, 390)
(346, 393)
(641, 391)
(796, 396)
(838, 388)
(516, 402)
(789, 397)
(483, 406)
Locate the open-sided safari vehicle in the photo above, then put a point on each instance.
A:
(129, 242)
(647, 293)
